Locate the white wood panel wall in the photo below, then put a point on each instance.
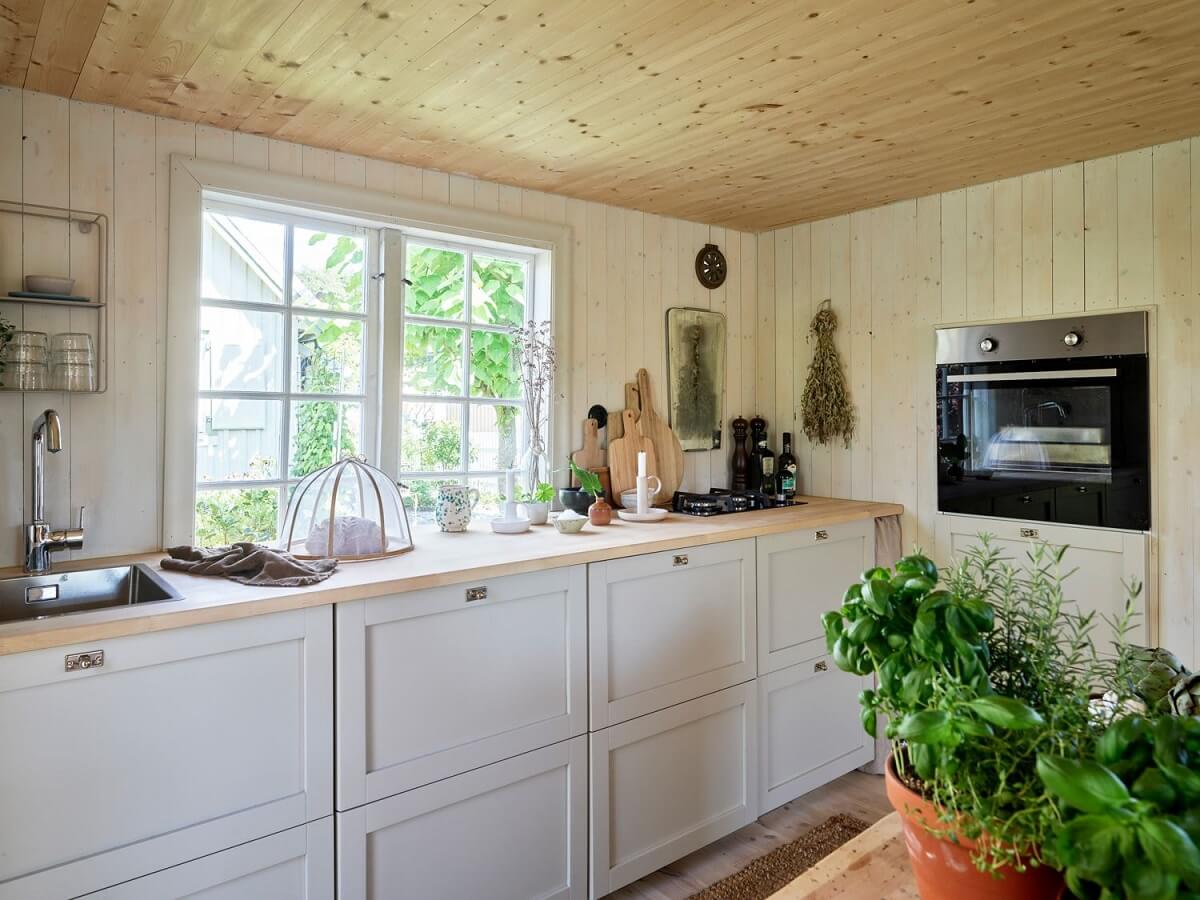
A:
(628, 269)
(1123, 231)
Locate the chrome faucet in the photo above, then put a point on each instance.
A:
(40, 539)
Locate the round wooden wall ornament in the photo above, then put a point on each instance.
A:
(710, 266)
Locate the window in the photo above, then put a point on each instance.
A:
(462, 407)
(285, 316)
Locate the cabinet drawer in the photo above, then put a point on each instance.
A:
(669, 627)
(811, 731)
(1100, 560)
(669, 783)
(183, 743)
(437, 682)
(296, 864)
(801, 574)
(514, 830)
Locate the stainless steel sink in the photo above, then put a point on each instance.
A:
(39, 596)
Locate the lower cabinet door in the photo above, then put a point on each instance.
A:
(296, 864)
(811, 732)
(668, 783)
(1101, 561)
(514, 830)
(179, 744)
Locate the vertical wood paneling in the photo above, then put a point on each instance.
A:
(1100, 233)
(783, 416)
(577, 355)
(861, 357)
(927, 308)
(749, 317)
(902, 415)
(283, 157)
(981, 214)
(616, 372)
(1135, 228)
(841, 466)
(1067, 182)
(597, 306)
(885, 391)
(318, 164)
(1178, 418)
(815, 460)
(252, 151)
(954, 256)
(1007, 248)
(462, 191)
(764, 391)
(1037, 244)
(215, 144)
(13, 423)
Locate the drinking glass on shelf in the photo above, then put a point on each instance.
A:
(24, 376)
(26, 346)
(73, 376)
(74, 346)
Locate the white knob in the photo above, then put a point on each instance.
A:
(1072, 339)
(987, 345)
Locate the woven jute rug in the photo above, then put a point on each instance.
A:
(770, 872)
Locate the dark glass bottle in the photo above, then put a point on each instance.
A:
(788, 470)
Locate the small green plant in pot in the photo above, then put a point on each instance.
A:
(979, 670)
(537, 503)
(598, 512)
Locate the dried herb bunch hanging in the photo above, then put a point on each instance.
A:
(826, 404)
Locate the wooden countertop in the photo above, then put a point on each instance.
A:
(872, 866)
(438, 559)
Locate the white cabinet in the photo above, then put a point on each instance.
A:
(668, 783)
(296, 864)
(811, 730)
(1103, 561)
(668, 627)
(183, 743)
(436, 682)
(514, 830)
(801, 574)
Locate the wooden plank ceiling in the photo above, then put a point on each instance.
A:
(747, 113)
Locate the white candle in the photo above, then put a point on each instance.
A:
(510, 500)
(641, 464)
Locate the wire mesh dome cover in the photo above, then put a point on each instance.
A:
(350, 510)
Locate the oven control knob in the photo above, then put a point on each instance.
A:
(987, 345)
(1072, 339)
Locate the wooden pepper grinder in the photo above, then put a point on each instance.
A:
(741, 459)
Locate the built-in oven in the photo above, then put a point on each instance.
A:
(1047, 421)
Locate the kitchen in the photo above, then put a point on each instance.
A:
(1069, 229)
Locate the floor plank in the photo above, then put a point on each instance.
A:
(856, 794)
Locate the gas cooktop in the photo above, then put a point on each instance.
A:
(720, 501)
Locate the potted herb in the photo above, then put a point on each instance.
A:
(598, 512)
(537, 504)
(980, 671)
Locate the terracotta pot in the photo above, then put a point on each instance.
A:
(600, 513)
(943, 869)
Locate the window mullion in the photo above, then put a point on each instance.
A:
(285, 432)
(465, 443)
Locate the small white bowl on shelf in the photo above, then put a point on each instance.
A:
(48, 284)
(569, 522)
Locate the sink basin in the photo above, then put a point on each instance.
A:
(39, 596)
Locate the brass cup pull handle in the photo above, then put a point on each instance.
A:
(88, 659)
(1029, 533)
(680, 560)
(822, 535)
(821, 666)
(476, 593)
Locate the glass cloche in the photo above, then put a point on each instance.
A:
(349, 510)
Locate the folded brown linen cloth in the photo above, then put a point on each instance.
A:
(248, 563)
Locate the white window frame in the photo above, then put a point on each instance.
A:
(288, 310)
(193, 181)
(464, 473)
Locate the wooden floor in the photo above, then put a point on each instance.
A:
(855, 794)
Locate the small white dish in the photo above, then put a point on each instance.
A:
(510, 526)
(652, 515)
(570, 525)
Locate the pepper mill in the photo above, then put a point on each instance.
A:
(741, 459)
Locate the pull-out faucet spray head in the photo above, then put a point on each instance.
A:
(49, 423)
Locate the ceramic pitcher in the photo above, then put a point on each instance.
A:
(452, 508)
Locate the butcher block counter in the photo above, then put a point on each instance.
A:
(437, 559)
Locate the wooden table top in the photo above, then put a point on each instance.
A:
(872, 866)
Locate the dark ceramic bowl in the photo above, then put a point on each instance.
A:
(575, 498)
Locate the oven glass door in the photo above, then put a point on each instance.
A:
(1061, 441)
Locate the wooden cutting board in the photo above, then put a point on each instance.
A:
(623, 456)
(616, 424)
(591, 455)
(666, 445)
